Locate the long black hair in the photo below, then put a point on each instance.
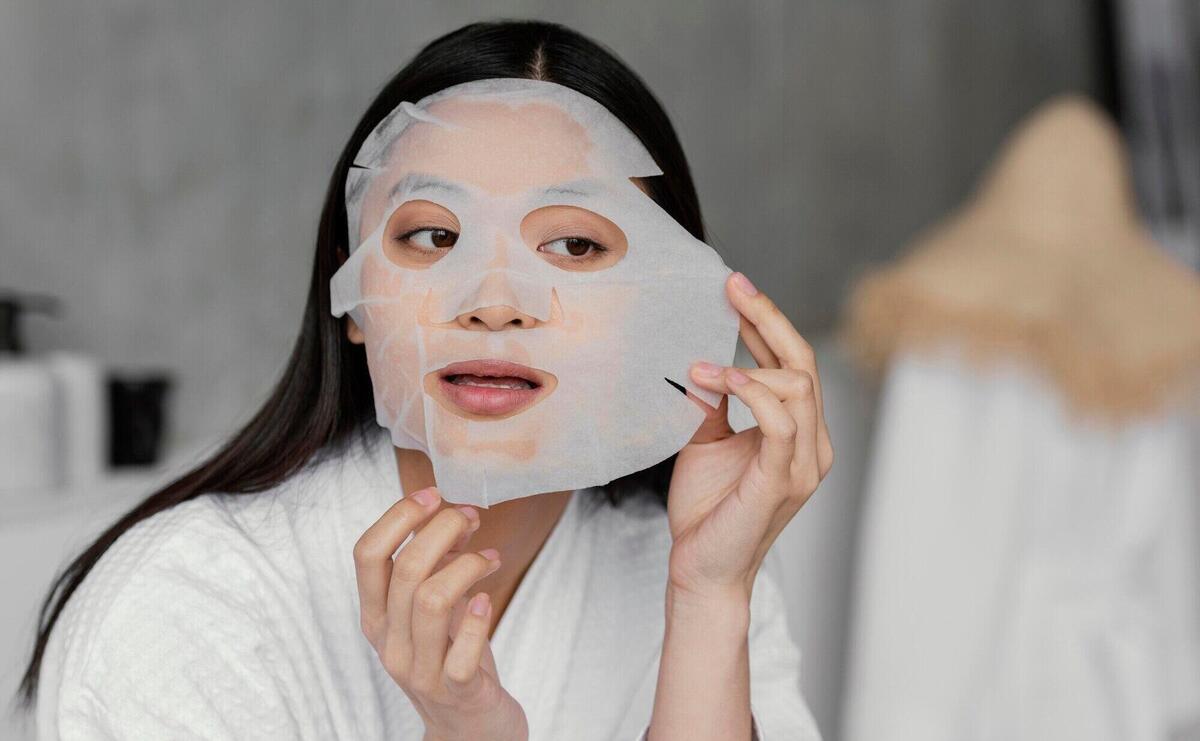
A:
(323, 401)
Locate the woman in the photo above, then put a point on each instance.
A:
(235, 602)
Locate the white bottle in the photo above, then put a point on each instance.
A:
(29, 457)
(82, 417)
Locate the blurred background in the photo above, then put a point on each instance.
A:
(163, 169)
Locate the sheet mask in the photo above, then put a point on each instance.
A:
(613, 334)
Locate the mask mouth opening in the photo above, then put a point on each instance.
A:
(506, 382)
(493, 373)
(488, 388)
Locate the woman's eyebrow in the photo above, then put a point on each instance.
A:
(581, 187)
(419, 181)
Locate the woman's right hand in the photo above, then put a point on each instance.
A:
(407, 605)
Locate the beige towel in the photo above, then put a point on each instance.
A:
(1047, 261)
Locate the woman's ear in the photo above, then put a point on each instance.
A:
(353, 333)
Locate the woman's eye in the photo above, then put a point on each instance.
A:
(429, 238)
(572, 247)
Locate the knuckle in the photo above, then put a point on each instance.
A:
(805, 349)
(396, 663)
(454, 517)
(433, 599)
(803, 383)
(416, 687)
(365, 551)
(479, 694)
(797, 472)
(756, 390)
(806, 481)
(424, 685)
(368, 626)
(828, 458)
(479, 562)
(811, 481)
(397, 676)
(786, 429)
(457, 676)
(473, 626)
(406, 570)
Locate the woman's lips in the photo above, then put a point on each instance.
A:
(489, 388)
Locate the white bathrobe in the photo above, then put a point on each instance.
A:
(236, 617)
(1024, 574)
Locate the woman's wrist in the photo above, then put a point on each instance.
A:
(704, 677)
(717, 611)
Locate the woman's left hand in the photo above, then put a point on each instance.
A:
(732, 494)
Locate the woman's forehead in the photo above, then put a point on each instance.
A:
(494, 146)
(497, 138)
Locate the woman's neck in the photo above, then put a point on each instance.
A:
(517, 528)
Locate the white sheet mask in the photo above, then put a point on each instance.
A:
(515, 166)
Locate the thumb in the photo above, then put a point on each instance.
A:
(716, 421)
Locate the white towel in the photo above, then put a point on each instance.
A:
(236, 617)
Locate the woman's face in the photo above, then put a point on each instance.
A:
(528, 313)
(499, 151)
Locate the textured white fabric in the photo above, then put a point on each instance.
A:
(1024, 575)
(237, 618)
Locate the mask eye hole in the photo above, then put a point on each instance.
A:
(419, 233)
(574, 238)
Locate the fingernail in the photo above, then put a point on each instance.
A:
(471, 514)
(743, 283)
(490, 554)
(479, 604)
(424, 497)
(736, 377)
(707, 369)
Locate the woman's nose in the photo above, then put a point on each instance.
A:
(495, 318)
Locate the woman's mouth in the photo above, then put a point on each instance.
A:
(487, 388)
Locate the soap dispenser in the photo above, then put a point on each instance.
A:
(28, 407)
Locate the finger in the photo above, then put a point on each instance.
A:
(781, 338)
(786, 384)
(776, 424)
(796, 389)
(805, 469)
(433, 610)
(772, 326)
(460, 546)
(413, 565)
(716, 419)
(373, 554)
(776, 330)
(754, 342)
(462, 675)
